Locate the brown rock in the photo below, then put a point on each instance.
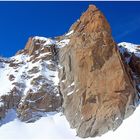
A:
(12, 99)
(33, 70)
(11, 77)
(96, 85)
(9, 101)
(33, 104)
(103, 92)
(46, 98)
(34, 45)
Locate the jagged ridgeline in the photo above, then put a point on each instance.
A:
(82, 73)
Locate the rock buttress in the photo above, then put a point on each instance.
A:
(97, 89)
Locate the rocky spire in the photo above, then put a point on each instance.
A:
(92, 20)
(95, 84)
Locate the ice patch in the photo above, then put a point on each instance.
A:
(70, 93)
(72, 84)
(69, 33)
(63, 43)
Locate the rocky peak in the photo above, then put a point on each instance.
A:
(31, 78)
(96, 86)
(92, 21)
(93, 31)
(92, 8)
(40, 45)
(81, 71)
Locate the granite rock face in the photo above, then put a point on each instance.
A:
(82, 73)
(97, 89)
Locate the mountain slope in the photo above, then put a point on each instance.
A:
(83, 74)
(30, 79)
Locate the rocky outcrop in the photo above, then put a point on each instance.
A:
(96, 84)
(46, 97)
(135, 63)
(97, 89)
(32, 76)
(33, 105)
(9, 101)
(130, 53)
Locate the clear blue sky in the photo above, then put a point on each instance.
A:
(20, 20)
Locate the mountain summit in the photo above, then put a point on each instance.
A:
(97, 88)
(83, 74)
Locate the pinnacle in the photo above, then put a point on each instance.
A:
(92, 8)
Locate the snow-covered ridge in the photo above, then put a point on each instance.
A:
(69, 33)
(47, 41)
(23, 60)
(22, 73)
(59, 44)
(32, 76)
(129, 47)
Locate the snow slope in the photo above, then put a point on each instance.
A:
(57, 127)
(21, 73)
(130, 47)
(24, 64)
(33, 70)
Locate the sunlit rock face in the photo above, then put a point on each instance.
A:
(82, 73)
(98, 90)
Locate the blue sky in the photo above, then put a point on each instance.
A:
(20, 20)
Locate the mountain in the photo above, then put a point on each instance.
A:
(30, 79)
(98, 90)
(83, 74)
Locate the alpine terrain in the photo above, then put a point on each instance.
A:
(81, 80)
